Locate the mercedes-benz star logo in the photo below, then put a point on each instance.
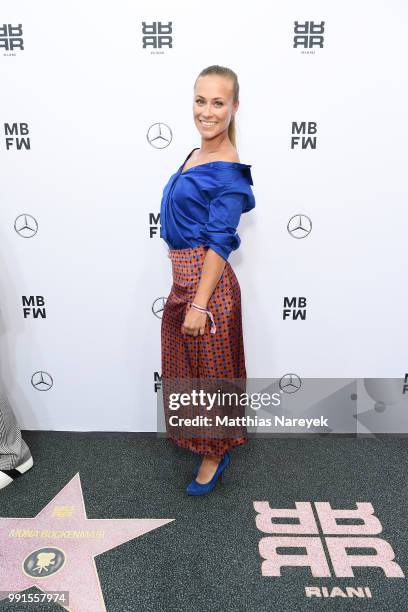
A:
(26, 226)
(158, 307)
(299, 226)
(290, 383)
(159, 135)
(41, 381)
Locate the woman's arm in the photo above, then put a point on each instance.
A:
(213, 267)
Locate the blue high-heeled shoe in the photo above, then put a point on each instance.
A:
(196, 468)
(195, 488)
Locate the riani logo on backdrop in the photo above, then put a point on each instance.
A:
(11, 38)
(34, 306)
(294, 308)
(157, 35)
(305, 536)
(304, 128)
(154, 220)
(16, 136)
(308, 35)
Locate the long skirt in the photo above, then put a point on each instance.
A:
(212, 362)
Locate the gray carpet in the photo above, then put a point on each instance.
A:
(208, 559)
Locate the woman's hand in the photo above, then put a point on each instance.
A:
(194, 322)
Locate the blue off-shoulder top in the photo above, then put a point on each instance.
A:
(203, 205)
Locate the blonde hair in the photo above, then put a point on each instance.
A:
(225, 72)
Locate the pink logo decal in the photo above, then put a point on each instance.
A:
(315, 556)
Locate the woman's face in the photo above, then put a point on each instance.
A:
(213, 104)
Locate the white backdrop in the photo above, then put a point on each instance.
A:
(91, 94)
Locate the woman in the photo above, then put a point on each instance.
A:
(200, 211)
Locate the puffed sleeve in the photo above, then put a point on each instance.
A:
(219, 233)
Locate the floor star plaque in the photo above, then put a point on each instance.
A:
(55, 550)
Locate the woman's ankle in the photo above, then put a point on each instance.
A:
(213, 458)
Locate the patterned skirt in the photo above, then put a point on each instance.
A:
(210, 364)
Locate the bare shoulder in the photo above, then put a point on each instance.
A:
(229, 155)
(231, 158)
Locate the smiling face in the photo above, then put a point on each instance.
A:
(213, 105)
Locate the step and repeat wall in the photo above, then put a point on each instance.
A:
(96, 114)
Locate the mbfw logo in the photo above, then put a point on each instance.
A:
(157, 35)
(26, 226)
(159, 135)
(11, 38)
(308, 35)
(157, 381)
(34, 306)
(337, 545)
(405, 386)
(299, 226)
(294, 308)
(16, 136)
(304, 128)
(154, 220)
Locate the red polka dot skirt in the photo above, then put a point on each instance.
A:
(213, 362)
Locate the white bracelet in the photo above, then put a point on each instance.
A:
(202, 309)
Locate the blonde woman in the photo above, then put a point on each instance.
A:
(201, 334)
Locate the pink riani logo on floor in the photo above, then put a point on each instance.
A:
(336, 538)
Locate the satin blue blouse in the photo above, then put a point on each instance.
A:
(203, 205)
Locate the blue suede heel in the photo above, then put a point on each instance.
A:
(197, 467)
(195, 488)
